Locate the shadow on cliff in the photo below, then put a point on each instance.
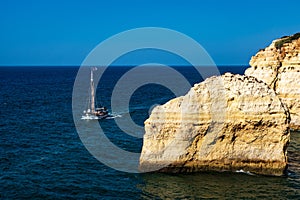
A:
(227, 184)
(216, 186)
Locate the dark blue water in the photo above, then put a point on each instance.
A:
(41, 154)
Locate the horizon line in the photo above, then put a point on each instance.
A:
(225, 65)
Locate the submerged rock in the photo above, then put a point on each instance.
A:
(279, 66)
(225, 123)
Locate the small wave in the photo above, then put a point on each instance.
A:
(113, 116)
(244, 172)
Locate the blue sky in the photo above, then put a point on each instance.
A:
(64, 32)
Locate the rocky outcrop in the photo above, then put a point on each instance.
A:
(230, 122)
(279, 66)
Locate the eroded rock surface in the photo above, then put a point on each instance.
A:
(279, 66)
(230, 122)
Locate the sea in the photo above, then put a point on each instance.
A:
(42, 155)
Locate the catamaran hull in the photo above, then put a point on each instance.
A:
(93, 117)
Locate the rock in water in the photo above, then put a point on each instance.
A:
(225, 123)
(279, 66)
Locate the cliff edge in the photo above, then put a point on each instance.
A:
(225, 123)
(278, 65)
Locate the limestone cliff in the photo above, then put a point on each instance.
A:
(231, 122)
(279, 66)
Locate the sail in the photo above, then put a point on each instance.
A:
(93, 112)
(92, 92)
(93, 89)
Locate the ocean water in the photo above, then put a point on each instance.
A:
(42, 156)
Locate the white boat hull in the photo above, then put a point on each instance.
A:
(93, 117)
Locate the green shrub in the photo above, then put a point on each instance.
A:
(285, 39)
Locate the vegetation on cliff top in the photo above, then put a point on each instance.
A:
(286, 39)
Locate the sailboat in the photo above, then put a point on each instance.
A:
(92, 112)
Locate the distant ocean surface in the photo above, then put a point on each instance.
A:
(42, 156)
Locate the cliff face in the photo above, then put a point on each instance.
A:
(278, 65)
(231, 122)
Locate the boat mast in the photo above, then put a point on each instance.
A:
(92, 91)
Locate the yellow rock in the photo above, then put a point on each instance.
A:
(225, 123)
(280, 69)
